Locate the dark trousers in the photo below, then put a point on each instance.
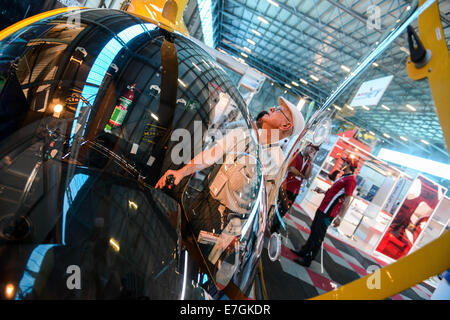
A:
(318, 231)
(284, 203)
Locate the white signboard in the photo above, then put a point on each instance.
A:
(370, 92)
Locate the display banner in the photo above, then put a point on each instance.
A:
(370, 92)
(411, 219)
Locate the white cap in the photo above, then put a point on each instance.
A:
(297, 117)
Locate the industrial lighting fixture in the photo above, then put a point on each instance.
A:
(375, 64)
(256, 32)
(287, 86)
(403, 138)
(247, 49)
(372, 133)
(241, 60)
(114, 244)
(251, 41)
(435, 168)
(424, 142)
(314, 77)
(410, 107)
(345, 68)
(386, 135)
(338, 108)
(351, 108)
(273, 3)
(182, 83)
(263, 20)
(303, 81)
(366, 108)
(244, 55)
(385, 107)
(295, 83)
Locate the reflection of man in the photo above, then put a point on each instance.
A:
(333, 206)
(299, 169)
(279, 122)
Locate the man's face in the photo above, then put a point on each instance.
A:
(278, 118)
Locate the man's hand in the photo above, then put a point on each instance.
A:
(177, 175)
(337, 222)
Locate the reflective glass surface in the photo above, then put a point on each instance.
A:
(92, 115)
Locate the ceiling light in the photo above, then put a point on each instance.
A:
(256, 32)
(351, 108)
(244, 55)
(345, 68)
(372, 133)
(182, 83)
(385, 107)
(424, 142)
(263, 20)
(251, 41)
(375, 64)
(196, 67)
(339, 108)
(435, 168)
(366, 108)
(247, 49)
(273, 3)
(404, 50)
(287, 86)
(303, 81)
(410, 107)
(154, 116)
(295, 83)
(403, 138)
(314, 77)
(241, 60)
(386, 135)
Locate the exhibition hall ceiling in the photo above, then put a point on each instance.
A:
(309, 47)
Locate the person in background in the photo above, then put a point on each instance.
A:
(333, 206)
(299, 169)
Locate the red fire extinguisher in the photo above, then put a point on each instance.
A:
(120, 111)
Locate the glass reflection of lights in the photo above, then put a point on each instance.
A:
(32, 269)
(103, 62)
(183, 291)
(132, 205)
(9, 291)
(114, 244)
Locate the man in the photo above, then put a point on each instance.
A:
(259, 120)
(279, 122)
(333, 206)
(299, 169)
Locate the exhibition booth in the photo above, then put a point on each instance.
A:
(391, 213)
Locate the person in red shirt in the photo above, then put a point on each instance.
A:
(333, 206)
(300, 168)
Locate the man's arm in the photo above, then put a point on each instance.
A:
(201, 161)
(344, 208)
